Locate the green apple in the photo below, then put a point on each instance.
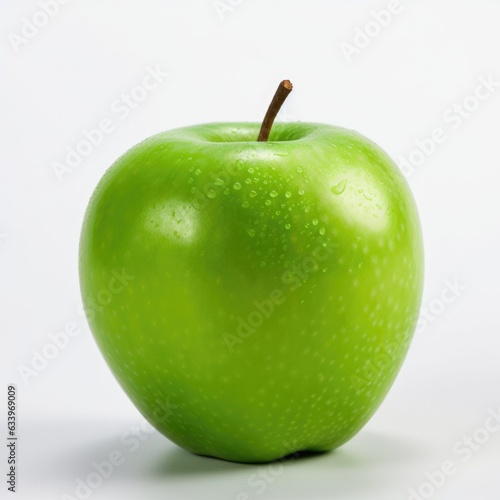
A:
(253, 299)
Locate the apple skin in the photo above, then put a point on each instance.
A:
(253, 299)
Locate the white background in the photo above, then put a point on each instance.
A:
(225, 65)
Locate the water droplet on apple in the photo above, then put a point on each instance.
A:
(197, 171)
(211, 193)
(237, 186)
(322, 231)
(219, 181)
(267, 202)
(301, 192)
(288, 194)
(252, 194)
(288, 226)
(315, 222)
(226, 191)
(251, 232)
(251, 170)
(245, 204)
(299, 170)
(339, 188)
(273, 194)
(248, 180)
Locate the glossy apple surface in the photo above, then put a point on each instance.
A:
(253, 299)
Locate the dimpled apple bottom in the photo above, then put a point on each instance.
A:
(272, 286)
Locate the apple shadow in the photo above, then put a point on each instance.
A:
(364, 450)
(367, 463)
(178, 462)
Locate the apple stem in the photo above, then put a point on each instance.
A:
(284, 88)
